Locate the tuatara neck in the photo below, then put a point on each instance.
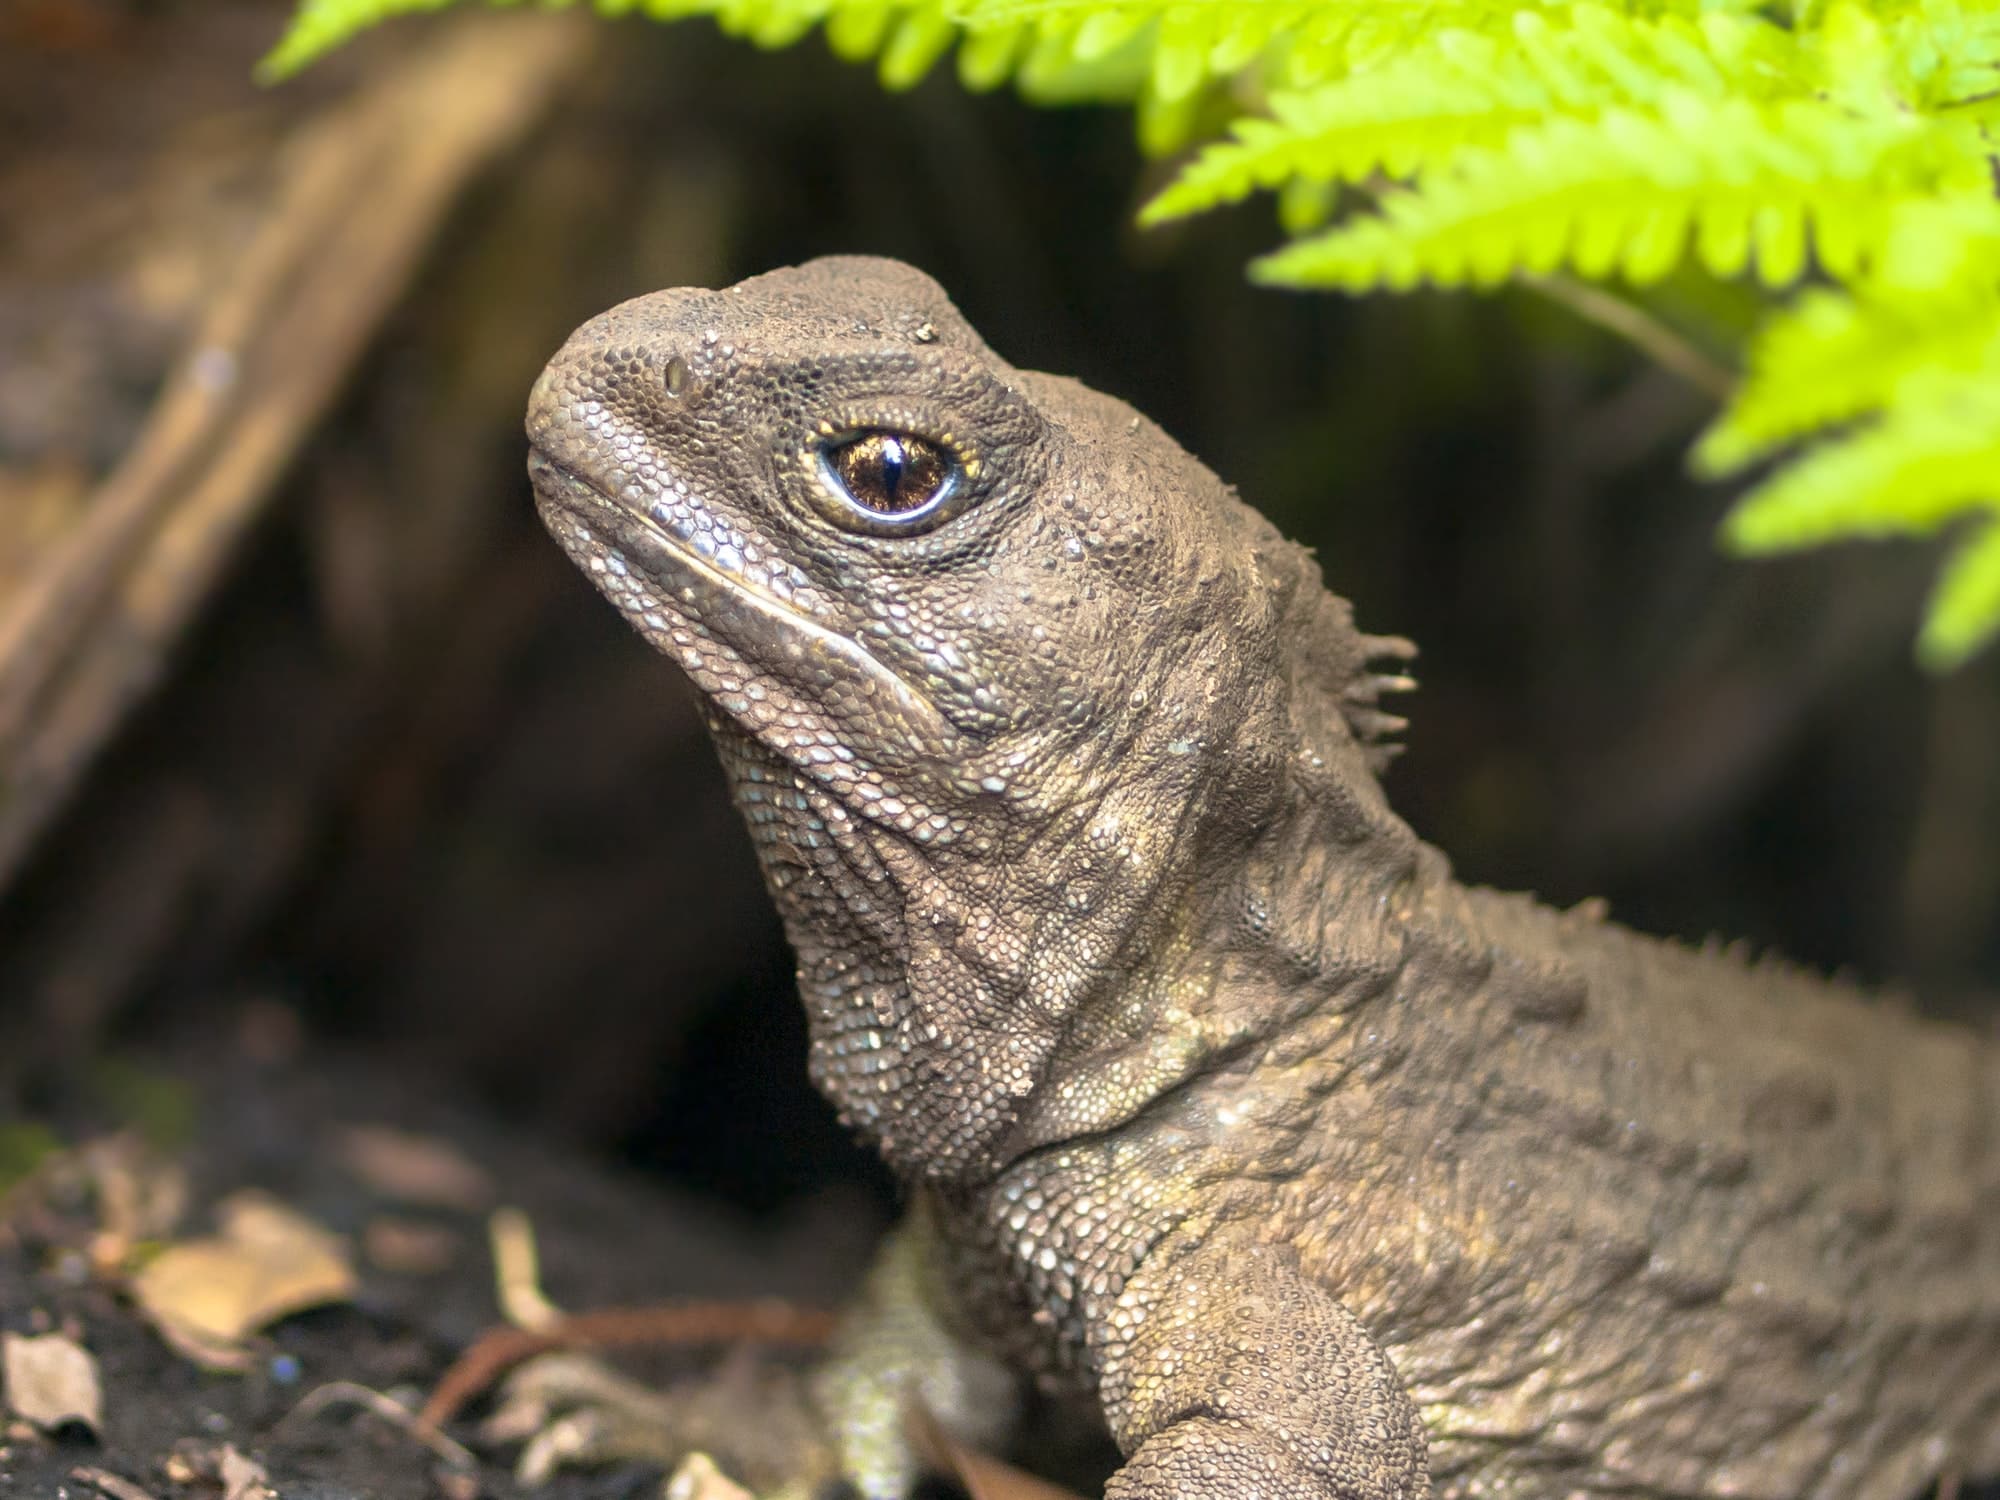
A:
(1313, 909)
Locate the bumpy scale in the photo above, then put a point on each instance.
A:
(1222, 1104)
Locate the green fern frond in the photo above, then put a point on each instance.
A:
(905, 37)
(1738, 184)
(1925, 318)
(1931, 457)
(1930, 460)
(321, 26)
(1830, 358)
(1964, 611)
(1906, 368)
(1471, 88)
(1058, 53)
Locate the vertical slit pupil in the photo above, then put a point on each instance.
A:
(894, 462)
(888, 474)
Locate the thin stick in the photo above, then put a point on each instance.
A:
(1637, 326)
(115, 1485)
(672, 1325)
(350, 1393)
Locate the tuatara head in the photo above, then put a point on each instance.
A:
(1000, 674)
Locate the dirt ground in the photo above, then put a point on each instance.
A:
(287, 1129)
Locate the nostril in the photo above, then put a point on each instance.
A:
(677, 377)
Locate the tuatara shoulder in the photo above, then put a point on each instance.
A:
(1224, 1106)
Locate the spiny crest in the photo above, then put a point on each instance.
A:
(1383, 660)
(1333, 667)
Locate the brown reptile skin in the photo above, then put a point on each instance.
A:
(1224, 1106)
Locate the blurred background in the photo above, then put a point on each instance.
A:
(353, 738)
(311, 741)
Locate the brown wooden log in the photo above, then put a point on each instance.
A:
(362, 190)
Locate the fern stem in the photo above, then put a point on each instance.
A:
(1637, 326)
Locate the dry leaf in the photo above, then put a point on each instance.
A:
(414, 1168)
(697, 1478)
(141, 1196)
(206, 1296)
(243, 1478)
(51, 1381)
(409, 1248)
(218, 1466)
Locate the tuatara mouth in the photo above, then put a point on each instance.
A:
(676, 583)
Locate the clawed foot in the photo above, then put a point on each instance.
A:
(749, 1419)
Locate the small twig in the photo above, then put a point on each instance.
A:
(417, 1426)
(671, 1325)
(115, 1485)
(1637, 326)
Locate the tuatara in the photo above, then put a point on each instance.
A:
(1222, 1104)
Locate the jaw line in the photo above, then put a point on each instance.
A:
(788, 637)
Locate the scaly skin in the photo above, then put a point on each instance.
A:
(1225, 1106)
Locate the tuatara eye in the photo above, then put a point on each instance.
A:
(890, 477)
